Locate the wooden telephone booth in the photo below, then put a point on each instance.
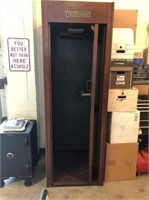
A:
(76, 55)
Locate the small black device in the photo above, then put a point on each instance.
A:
(140, 74)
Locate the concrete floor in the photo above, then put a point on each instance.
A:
(114, 190)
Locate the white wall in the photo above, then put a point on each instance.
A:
(17, 22)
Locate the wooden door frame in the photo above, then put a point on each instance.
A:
(98, 13)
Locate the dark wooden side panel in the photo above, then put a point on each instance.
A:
(48, 101)
(104, 100)
(93, 90)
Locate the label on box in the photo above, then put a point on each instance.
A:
(120, 82)
(120, 78)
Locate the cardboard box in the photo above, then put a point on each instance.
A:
(123, 127)
(120, 77)
(143, 89)
(121, 161)
(122, 100)
(125, 19)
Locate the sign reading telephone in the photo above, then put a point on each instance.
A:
(19, 54)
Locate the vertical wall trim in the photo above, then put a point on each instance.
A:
(37, 32)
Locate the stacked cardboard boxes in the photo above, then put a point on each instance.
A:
(122, 146)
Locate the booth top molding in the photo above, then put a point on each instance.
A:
(76, 11)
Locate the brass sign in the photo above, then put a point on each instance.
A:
(78, 14)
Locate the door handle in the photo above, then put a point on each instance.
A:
(84, 93)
